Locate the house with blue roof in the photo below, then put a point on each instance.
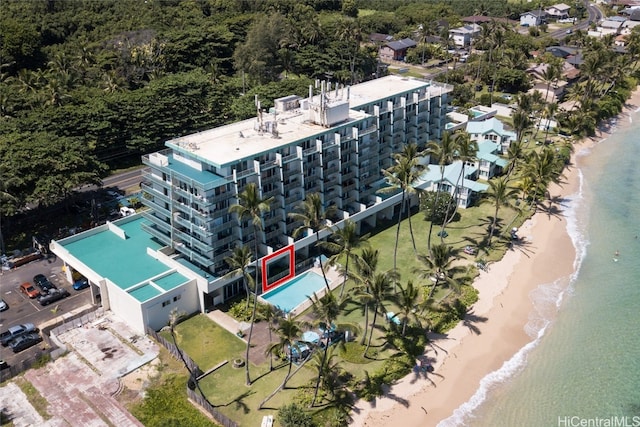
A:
(461, 185)
(491, 130)
(488, 162)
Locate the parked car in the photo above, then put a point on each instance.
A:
(53, 296)
(23, 342)
(3, 305)
(80, 284)
(29, 290)
(16, 331)
(3, 365)
(41, 281)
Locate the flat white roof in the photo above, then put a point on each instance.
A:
(234, 142)
(386, 87)
(231, 143)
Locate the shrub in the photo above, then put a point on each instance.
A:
(294, 415)
(239, 311)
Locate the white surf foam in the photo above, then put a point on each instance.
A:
(547, 300)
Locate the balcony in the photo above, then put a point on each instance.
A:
(369, 130)
(156, 179)
(151, 204)
(151, 229)
(245, 173)
(309, 151)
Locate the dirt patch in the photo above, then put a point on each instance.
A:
(135, 383)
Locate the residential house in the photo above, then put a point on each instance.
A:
(465, 189)
(464, 36)
(396, 50)
(558, 11)
(571, 55)
(380, 39)
(533, 18)
(488, 162)
(606, 27)
(628, 25)
(491, 130)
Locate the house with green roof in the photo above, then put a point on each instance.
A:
(487, 161)
(491, 130)
(460, 184)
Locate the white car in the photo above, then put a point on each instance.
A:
(3, 305)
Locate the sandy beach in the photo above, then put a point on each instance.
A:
(494, 331)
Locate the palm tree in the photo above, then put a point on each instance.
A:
(439, 267)
(365, 266)
(549, 112)
(326, 310)
(288, 332)
(350, 33)
(521, 122)
(328, 370)
(466, 151)
(380, 291)
(515, 153)
(239, 262)
(407, 300)
(252, 206)
(403, 174)
(542, 168)
(313, 215)
(444, 151)
(174, 318)
(271, 315)
(501, 194)
(345, 240)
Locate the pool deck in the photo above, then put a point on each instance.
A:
(260, 338)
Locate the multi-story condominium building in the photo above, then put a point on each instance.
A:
(335, 142)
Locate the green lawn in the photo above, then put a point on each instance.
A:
(208, 344)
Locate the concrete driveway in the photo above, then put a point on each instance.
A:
(80, 387)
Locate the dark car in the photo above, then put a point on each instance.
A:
(80, 284)
(43, 283)
(53, 296)
(16, 331)
(3, 365)
(25, 341)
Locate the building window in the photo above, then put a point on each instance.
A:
(176, 298)
(166, 303)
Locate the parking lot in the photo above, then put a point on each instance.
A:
(22, 309)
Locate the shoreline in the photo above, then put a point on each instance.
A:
(494, 332)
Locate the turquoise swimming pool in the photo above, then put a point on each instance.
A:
(294, 292)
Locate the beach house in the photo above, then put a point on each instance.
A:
(491, 130)
(460, 184)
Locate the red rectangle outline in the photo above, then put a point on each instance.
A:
(292, 271)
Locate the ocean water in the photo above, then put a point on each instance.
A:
(582, 366)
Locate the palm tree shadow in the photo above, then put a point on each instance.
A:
(386, 393)
(555, 207)
(275, 368)
(471, 320)
(238, 403)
